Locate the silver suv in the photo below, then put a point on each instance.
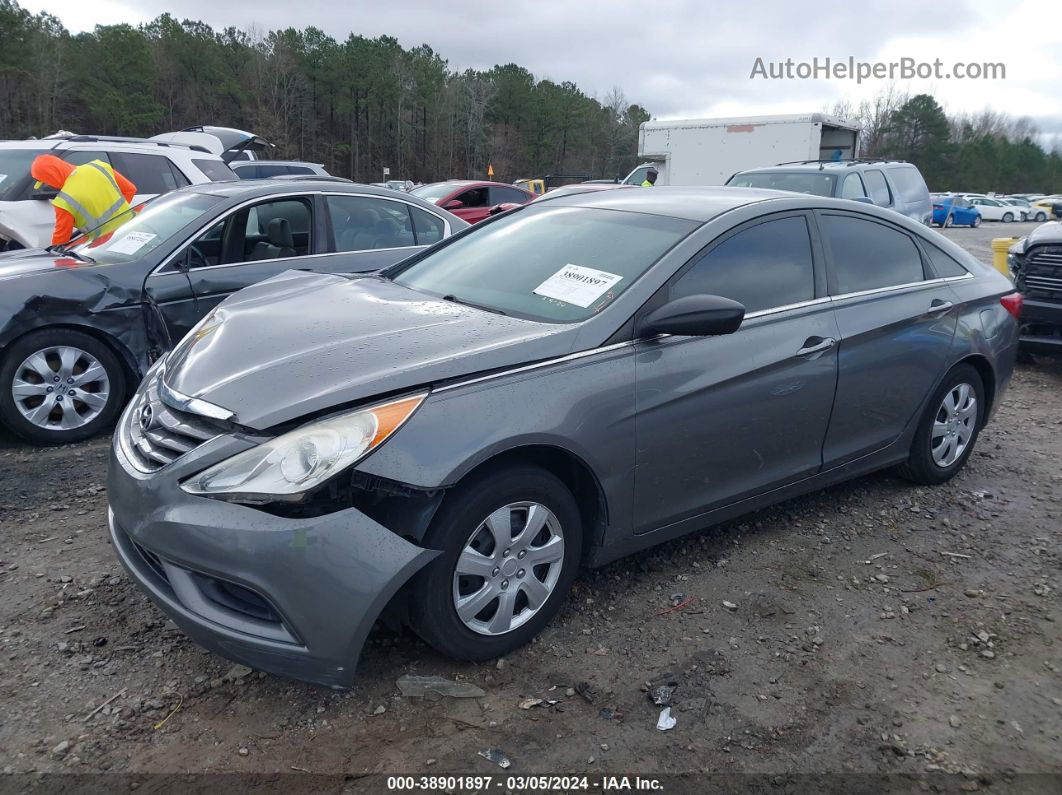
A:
(895, 184)
(26, 217)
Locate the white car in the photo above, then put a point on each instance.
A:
(996, 210)
(154, 166)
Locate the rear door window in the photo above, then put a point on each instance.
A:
(246, 172)
(764, 266)
(362, 223)
(867, 255)
(852, 187)
(150, 173)
(878, 187)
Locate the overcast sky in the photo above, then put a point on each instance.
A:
(683, 58)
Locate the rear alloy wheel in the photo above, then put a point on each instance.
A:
(60, 386)
(976, 222)
(1040, 217)
(1008, 218)
(511, 542)
(948, 429)
(947, 221)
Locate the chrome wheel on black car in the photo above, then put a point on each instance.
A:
(60, 386)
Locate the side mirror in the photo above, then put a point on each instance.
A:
(453, 204)
(695, 316)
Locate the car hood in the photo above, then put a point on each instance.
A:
(37, 260)
(303, 342)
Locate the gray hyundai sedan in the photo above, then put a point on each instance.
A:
(444, 443)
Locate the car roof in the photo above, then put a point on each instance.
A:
(832, 166)
(691, 203)
(252, 188)
(243, 163)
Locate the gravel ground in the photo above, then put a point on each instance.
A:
(875, 627)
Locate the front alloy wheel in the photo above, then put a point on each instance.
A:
(508, 568)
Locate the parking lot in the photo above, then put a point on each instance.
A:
(873, 627)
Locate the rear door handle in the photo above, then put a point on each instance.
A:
(813, 345)
(940, 305)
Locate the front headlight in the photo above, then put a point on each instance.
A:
(306, 457)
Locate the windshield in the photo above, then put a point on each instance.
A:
(14, 165)
(144, 227)
(433, 193)
(550, 264)
(813, 182)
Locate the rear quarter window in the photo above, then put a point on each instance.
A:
(215, 170)
(943, 265)
(867, 255)
(909, 183)
(878, 187)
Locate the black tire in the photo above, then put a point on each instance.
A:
(433, 615)
(947, 222)
(1008, 218)
(920, 466)
(18, 352)
(976, 222)
(1040, 217)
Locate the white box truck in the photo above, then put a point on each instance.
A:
(710, 151)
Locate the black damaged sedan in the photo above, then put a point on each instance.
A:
(80, 325)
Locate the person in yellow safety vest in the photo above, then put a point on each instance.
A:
(90, 195)
(650, 178)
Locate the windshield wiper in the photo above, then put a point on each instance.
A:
(454, 299)
(69, 252)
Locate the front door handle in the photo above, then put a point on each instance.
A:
(940, 305)
(814, 345)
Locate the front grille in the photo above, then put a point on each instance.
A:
(158, 434)
(1041, 274)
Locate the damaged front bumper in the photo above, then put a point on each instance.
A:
(295, 597)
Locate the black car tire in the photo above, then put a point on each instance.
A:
(976, 222)
(1008, 218)
(920, 466)
(39, 340)
(433, 615)
(947, 221)
(1040, 217)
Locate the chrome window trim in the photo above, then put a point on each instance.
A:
(158, 270)
(570, 357)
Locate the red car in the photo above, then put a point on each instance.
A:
(471, 200)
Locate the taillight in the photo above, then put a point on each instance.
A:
(1012, 303)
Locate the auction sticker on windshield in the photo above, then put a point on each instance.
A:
(577, 285)
(132, 242)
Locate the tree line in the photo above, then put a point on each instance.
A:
(974, 152)
(363, 104)
(356, 105)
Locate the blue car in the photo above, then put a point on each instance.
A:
(955, 210)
